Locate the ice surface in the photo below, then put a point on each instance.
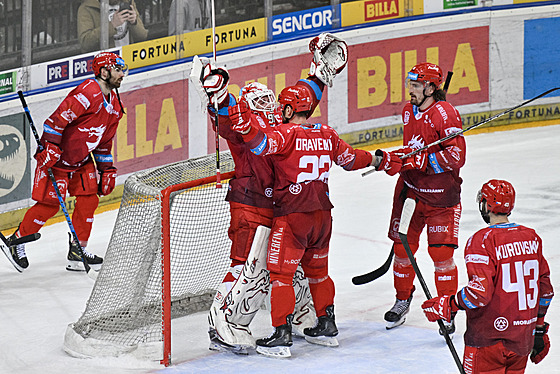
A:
(37, 305)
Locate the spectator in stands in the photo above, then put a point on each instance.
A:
(189, 15)
(125, 24)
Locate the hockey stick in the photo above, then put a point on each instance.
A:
(216, 104)
(455, 134)
(373, 275)
(447, 81)
(406, 216)
(90, 272)
(24, 239)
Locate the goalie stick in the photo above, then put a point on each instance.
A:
(90, 272)
(453, 135)
(406, 216)
(216, 104)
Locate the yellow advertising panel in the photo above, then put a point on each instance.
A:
(365, 11)
(194, 43)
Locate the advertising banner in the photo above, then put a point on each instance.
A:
(194, 43)
(154, 129)
(357, 12)
(540, 57)
(8, 82)
(450, 4)
(290, 24)
(376, 70)
(15, 180)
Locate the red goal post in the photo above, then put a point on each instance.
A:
(168, 252)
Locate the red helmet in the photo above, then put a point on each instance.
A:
(426, 72)
(298, 97)
(107, 60)
(499, 196)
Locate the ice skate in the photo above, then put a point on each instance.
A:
(16, 255)
(325, 330)
(216, 344)
(279, 342)
(75, 262)
(397, 315)
(449, 326)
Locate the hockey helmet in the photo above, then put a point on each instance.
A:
(499, 196)
(298, 97)
(107, 60)
(259, 97)
(426, 72)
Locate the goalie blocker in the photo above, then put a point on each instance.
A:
(232, 312)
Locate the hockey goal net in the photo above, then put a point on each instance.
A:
(168, 253)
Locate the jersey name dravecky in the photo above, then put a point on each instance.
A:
(310, 145)
(524, 247)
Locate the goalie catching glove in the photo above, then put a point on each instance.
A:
(330, 56)
(210, 81)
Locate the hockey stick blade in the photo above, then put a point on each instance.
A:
(377, 273)
(23, 239)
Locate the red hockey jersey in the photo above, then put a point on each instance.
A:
(509, 284)
(440, 185)
(85, 122)
(302, 156)
(254, 175)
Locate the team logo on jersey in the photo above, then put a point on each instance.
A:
(68, 115)
(476, 259)
(345, 158)
(501, 324)
(295, 189)
(416, 142)
(406, 117)
(97, 132)
(268, 192)
(476, 283)
(82, 100)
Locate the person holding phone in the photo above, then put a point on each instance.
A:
(125, 24)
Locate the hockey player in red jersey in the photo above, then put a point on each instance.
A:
(508, 293)
(431, 177)
(250, 192)
(79, 131)
(301, 154)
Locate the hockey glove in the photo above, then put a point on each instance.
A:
(107, 181)
(417, 161)
(541, 346)
(440, 308)
(49, 156)
(389, 162)
(330, 56)
(240, 116)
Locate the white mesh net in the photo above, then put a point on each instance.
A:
(124, 311)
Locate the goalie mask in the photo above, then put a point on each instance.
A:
(499, 196)
(259, 97)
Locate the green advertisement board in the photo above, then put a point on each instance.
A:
(8, 82)
(450, 4)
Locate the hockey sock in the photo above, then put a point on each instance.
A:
(36, 217)
(82, 218)
(446, 278)
(445, 273)
(322, 291)
(282, 300)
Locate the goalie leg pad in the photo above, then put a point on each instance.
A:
(232, 318)
(304, 312)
